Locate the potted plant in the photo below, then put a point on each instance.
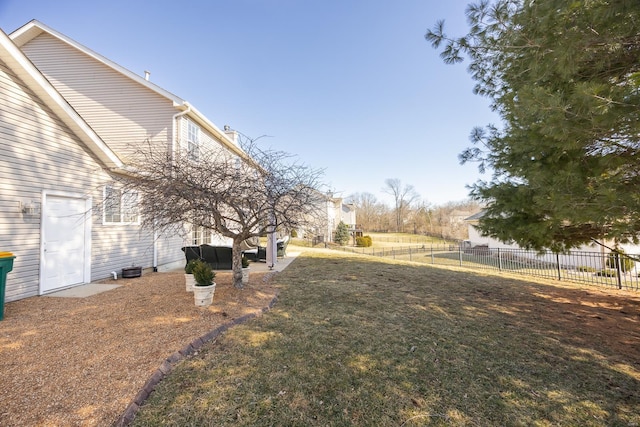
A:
(205, 286)
(245, 270)
(189, 279)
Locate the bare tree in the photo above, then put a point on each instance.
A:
(369, 210)
(421, 215)
(448, 219)
(403, 196)
(240, 195)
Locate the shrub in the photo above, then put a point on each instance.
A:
(203, 274)
(586, 269)
(364, 241)
(626, 263)
(245, 262)
(294, 233)
(188, 269)
(607, 272)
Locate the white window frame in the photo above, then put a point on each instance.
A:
(127, 206)
(200, 236)
(193, 141)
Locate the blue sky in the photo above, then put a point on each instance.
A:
(348, 86)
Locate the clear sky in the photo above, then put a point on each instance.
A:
(348, 86)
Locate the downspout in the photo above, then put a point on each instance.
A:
(174, 144)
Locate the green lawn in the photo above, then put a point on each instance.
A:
(363, 341)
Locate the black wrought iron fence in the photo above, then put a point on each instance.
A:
(597, 268)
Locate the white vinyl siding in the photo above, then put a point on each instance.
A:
(123, 112)
(41, 154)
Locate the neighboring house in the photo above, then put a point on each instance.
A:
(330, 211)
(338, 211)
(476, 239)
(71, 119)
(457, 218)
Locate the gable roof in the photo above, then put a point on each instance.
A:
(475, 216)
(34, 28)
(19, 64)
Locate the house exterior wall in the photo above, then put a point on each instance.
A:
(348, 215)
(170, 256)
(104, 97)
(477, 239)
(125, 114)
(40, 154)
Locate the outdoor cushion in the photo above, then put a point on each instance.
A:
(262, 253)
(218, 257)
(225, 257)
(191, 253)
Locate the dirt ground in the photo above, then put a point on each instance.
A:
(81, 361)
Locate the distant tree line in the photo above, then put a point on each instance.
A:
(412, 214)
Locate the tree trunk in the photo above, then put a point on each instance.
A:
(236, 263)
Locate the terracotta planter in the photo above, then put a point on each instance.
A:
(190, 282)
(203, 295)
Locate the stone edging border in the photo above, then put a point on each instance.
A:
(167, 366)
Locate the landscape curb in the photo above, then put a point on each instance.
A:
(167, 366)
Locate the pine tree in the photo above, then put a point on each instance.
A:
(342, 234)
(565, 79)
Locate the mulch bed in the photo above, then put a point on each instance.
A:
(81, 361)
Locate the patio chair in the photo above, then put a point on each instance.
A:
(281, 247)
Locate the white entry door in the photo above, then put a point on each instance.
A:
(64, 247)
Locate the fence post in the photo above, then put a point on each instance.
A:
(410, 254)
(499, 260)
(558, 266)
(432, 259)
(460, 254)
(618, 269)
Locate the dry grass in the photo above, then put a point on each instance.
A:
(360, 341)
(80, 361)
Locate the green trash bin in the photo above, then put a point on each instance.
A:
(6, 265)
